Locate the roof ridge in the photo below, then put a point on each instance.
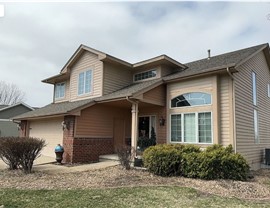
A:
(236, 51)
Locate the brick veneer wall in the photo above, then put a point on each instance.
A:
(89, 149)
(83, 149)
(68, 138)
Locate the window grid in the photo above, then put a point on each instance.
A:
(145, 75)
(59, 90)
(192, 127)
(85, 82)
(191, 99)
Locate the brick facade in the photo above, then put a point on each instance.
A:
(68, 138)
(89, 149)
(83, 149)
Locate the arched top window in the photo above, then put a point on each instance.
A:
(191, 99)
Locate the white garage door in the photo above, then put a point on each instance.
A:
(50, 130)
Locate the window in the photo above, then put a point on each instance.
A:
(268, 90)
(85, 82)
(191, 127)
(176, 133)
(145, 75)
(254, 90)
(256, 127)
(59, 90)
(191, 99)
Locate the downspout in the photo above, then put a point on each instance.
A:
(134, 123)
(233, 107)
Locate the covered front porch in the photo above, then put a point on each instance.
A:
(101, 128)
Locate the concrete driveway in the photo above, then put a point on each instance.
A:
(46, 164)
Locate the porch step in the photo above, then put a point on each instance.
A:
(113, 157)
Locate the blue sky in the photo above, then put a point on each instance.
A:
(37, 39)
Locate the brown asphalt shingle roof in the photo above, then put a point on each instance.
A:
(66, 107)
(216, 62)
(196, 67)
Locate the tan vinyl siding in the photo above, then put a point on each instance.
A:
(244, 109)
(225, 108)
(165, 70)
(115, 77)
(85, 62)
(97, 121)
(156, 96)
(206, 85)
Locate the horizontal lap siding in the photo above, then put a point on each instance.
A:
(225, 109)
(116, 77)
(85, 62)
(97, 121)
(156, 95)
(244, 109)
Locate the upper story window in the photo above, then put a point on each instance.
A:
(191, 99)
(59, 90)
(254, 88)
(145, 75)
(85, 82)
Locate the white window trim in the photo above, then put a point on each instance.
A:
(268, 90)
(196, 126)
(91, 83)
(256, 126)
(59, 84)
(254, 88)
(195, 106)
(154, 69)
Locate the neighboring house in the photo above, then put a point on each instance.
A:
(7, 112)
(101, 102)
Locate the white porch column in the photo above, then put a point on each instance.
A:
(134, 125)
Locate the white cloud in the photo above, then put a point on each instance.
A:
(36, 39)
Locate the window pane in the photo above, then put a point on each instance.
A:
(145, 75)
(191, 99)
(176, 133)
(88, 78)
(254, 90)
(59, 90)
(81, 83)
(256, 127)
(204, 127)
(189, 127)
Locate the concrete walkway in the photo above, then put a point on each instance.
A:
(46, 164)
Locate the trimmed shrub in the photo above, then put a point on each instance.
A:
(19, 152)
(162, 159)
(216, 162)
(125, 154)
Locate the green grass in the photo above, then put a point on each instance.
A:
(119, 197)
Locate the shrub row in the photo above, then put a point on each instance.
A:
(20, 153)
(215, 162)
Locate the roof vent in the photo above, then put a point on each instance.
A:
(209, 54)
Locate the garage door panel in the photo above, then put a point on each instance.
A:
(50, 130)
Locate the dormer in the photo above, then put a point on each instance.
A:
(155, 68)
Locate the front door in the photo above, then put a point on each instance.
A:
(118, 132)
(147, 124)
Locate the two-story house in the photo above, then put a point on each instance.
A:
(101, 102)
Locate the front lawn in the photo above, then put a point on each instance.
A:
(166, 196)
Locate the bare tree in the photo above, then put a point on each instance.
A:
(10, 94)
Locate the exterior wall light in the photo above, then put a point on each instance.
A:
(161, 121)
(65, 125)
